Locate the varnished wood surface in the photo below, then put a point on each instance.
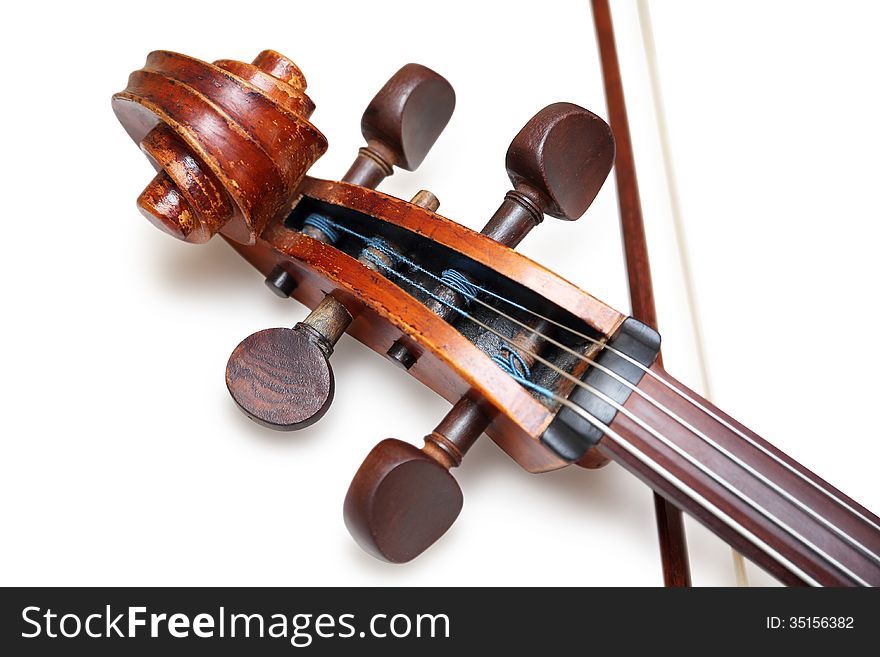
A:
(767, 543)
(280, 378)
(400, 502)
(249, 137)
(233, 143)
(471, 244)
(448, 363)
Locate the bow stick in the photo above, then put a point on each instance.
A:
(670, 524)
(647, 32)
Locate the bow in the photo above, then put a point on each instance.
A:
(670, 526)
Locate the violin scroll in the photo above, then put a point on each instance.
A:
(231, 141)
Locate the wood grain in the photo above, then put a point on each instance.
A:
(760, 536)
(448, 363)
(252, 143)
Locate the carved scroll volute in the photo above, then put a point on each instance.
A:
(231, 141)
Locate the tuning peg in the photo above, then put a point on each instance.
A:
(401, 124)
(403, 499)
(557, 164)
(281, 377)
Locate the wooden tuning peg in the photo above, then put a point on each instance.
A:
(281, 377)
(557, 164)
(401, 124)
(403, 499)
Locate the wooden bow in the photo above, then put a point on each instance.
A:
(670, 524)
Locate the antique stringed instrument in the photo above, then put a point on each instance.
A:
(550, 373)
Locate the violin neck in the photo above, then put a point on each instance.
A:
(759, 500)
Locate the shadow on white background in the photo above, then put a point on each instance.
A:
(125, 461)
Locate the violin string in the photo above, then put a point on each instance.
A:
(470, 293)
(687, 490)
(681, 393)
(720, 480)
(384, 248)
(675, 417)
(701, 435)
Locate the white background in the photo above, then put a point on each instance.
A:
(125, 462)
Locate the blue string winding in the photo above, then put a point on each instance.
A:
(383, 247)
(323, 224)
(514, 364)
(455, 280)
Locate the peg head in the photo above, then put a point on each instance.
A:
(560, 159)
(400, 502)
(406, 117)
(281, 378)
